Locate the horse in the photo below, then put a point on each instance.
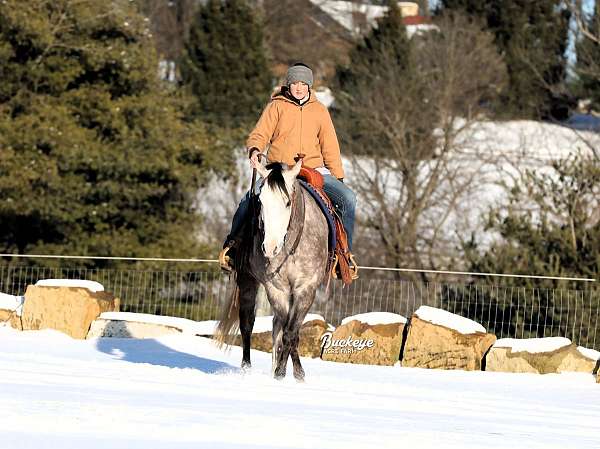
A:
(288, 254)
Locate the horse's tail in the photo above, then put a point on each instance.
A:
(229, 323)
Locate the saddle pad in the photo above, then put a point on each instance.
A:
(330, 219)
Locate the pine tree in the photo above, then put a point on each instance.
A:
(382, 59)
(225, 64)
(588, 61)
(550, 227)
(533, 37)
(95, 157)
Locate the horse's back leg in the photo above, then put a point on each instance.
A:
(248, 287)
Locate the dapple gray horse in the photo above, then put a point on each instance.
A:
(289, 256)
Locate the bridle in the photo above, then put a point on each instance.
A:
(297, 214)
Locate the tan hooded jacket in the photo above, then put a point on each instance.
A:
(291, 128)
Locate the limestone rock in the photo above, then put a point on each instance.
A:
(10, 317)
(362, 339)
(129, 329)
(68, 309)
(434, 345)
(312, 329)
(539, 355)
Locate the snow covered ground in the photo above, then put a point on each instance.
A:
(180, 391)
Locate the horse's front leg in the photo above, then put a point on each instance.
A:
(248, 287)
(303, 300)
(279, 301)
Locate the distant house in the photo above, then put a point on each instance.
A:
(329, 29)
(359, 18)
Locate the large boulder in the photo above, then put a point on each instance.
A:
(11, 308)
(443, 340)
(68, 309)
(369, 338)
(132, 325)
(540, 355)
(313, 327)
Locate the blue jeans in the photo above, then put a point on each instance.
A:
(343, 199)
(344, 202)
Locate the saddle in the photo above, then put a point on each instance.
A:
(341, 263)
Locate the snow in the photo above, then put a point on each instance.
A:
(589, 353)
(183, 324)
(92, 286)
(13, 303)
(346, 12)
(325, 96)
(180, 391)
(532, 345)
(374, 318)
(261, 323)
(449, 320)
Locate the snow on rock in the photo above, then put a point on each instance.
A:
(533, 345)
(589, 353)
(190, 327)
(449, 320)
(12, 303)
(183, 324)
(374, 318)
(92, 286)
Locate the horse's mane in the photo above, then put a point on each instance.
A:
(275, 180)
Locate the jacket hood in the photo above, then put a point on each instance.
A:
(284, 94)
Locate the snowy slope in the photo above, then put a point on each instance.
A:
(181, 392)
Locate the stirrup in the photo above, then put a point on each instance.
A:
(225, 261)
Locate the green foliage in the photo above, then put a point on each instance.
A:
(533, 37)
(551, 227)
(225, 65)
(379, 76)
(95, 155)
(588, 62)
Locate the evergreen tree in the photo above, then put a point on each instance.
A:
(551, 227)
(588, 61)
(533, 37)
(225, 64)
(383, 59)
(95, 157)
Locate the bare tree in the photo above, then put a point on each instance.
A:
(415, 186)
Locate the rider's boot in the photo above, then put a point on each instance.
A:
(227, 255)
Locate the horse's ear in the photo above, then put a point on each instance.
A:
(262, 171)
(293, 172)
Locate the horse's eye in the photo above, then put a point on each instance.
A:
(289, 203)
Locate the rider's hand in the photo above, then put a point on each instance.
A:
(253, 154)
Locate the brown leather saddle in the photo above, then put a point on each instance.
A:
(341, 261)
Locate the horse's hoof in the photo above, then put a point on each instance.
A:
(299, 375)
(246, 367)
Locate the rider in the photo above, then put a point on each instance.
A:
(295, 122)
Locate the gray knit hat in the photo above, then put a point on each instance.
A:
(299, 73)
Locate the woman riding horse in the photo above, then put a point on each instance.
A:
(295, 122)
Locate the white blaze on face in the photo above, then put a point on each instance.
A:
(275, 214)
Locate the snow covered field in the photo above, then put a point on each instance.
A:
(181, 392)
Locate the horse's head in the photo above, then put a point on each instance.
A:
(276, 204)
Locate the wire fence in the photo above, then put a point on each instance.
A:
(506, 311)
